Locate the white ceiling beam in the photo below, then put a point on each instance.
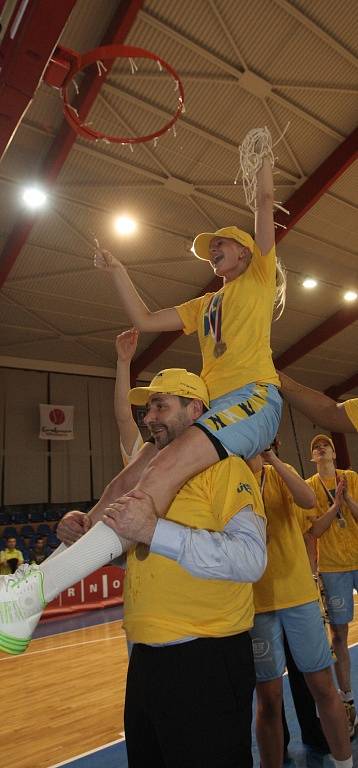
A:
(221, 64)
(293, 11)
(144, 146)
(219, 19)
(303, 114)
(201, 210)
(187, 43)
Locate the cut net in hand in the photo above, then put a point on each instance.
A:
(257, 144)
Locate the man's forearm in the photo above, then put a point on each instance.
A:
(238, 553)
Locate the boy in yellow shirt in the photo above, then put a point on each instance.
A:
(11, 557)
(335, 524)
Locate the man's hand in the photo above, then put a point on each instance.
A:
(133, 516)
(126, 344)
(72, 526)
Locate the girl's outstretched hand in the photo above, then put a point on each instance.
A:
(104, 259)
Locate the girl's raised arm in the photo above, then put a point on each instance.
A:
(138, 312)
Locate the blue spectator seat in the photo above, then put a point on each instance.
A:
(53, 542)
(2, 544)
(52, 514)
(35, 516)
(43, 529)
(27, 530)
(9, 531)
(19, 517)
(5, 517)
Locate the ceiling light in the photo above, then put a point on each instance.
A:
(350, 296)
(125, 225)
(34, 197)
(309, 282)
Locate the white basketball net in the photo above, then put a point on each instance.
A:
(256, 145)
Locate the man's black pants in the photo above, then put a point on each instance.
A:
(189, 705)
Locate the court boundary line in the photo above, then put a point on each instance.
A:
(90, 752)
(78, 629)
(11, 657)
(58, 648)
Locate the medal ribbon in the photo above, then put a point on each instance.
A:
(330, 496)
(215, 316)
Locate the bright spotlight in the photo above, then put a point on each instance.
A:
(125, 225)
(34, 197)
(309, 282)
(350, 296)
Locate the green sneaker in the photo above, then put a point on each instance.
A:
(21, 604)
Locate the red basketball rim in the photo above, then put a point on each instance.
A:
(108, 53)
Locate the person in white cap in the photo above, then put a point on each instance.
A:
(335, 524)
(319, 407)
(188, 605)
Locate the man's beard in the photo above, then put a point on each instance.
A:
(167, 433)
(163, 437)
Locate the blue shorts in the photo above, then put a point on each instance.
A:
(339, 595)
(304, 629)
(245, 421)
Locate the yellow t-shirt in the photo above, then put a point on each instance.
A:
(288, 579)
(247, 306)
(9, 554)
(351, 409)
(163, 601)
(337, 547)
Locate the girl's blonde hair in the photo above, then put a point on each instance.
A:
(281, 285)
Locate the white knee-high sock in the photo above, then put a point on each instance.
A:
(94, 549)
(57, 551)
(344, 763)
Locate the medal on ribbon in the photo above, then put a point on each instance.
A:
(215, 322)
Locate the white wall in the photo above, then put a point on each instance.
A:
(34, 470)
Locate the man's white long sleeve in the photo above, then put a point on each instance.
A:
(238, 553)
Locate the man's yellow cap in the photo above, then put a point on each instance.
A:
(171, 381)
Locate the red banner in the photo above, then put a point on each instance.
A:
(104, 587)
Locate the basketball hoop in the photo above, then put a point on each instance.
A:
(108, 53)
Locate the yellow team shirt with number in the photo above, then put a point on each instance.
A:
(288, 579)
(337, 547)
(163, 601)
(247, 306)
(351, 409)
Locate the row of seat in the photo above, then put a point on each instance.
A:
(26, 531)
(38, 514)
